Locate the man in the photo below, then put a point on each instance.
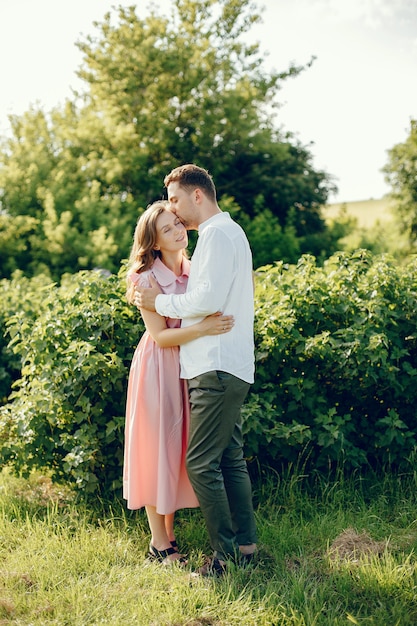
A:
(219, 369)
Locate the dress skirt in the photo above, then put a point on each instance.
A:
(156, 431)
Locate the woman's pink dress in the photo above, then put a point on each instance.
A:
(157, 416)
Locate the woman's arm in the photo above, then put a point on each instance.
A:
(165, 337)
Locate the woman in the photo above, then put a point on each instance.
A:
(157, 410)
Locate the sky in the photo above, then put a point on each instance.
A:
(350, 107)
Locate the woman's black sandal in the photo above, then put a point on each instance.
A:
(161, 555)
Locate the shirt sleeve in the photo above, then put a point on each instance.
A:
(216, 271)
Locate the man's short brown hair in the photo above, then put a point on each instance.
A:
(191, 177)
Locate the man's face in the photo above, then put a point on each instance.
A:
(182, 204)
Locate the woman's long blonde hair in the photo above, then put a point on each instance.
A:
(143, 253)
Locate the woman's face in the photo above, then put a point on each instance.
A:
(171, 233)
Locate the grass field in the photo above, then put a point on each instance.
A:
(367, 212)
(332, 552)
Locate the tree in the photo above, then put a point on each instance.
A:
(159, 92)
(50, 175)
(191, 90)
(401, 174)
(14, 241)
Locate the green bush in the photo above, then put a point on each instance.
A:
(336, 352)
(67, 410)
(336, 361)
(18, 295)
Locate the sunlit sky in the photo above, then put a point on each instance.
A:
(350, 107)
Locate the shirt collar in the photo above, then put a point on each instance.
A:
(165, 276)
(224, 215)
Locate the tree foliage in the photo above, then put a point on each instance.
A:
(401, 173)
(50, 175)
(158, 92)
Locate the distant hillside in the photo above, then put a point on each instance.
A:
(367, 212)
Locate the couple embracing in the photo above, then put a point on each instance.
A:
(191, 372)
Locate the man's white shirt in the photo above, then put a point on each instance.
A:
(220, 280)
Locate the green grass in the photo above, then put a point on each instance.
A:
(367, 212)
(332, 552)
(374, 225)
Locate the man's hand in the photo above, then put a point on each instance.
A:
(145, 296)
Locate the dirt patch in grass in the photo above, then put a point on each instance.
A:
(353, 546)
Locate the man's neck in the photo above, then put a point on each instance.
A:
(208, 211)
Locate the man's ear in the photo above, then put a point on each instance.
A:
(198, 195)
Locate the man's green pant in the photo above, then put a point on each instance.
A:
(215, 463)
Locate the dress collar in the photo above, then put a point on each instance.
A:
(165, 276)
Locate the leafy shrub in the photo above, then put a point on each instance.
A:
(336, 351)
(267, 239)
(26, 296)
(336, 361)
(67, 412)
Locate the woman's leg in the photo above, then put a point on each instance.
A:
(169, 526)
(162, 533)
(160, 541)
(159, 538)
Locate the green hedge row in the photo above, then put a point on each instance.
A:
(336, 350)
(336, 361)
(66, 412)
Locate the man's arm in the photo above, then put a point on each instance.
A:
(145, 296)
(212, 280)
